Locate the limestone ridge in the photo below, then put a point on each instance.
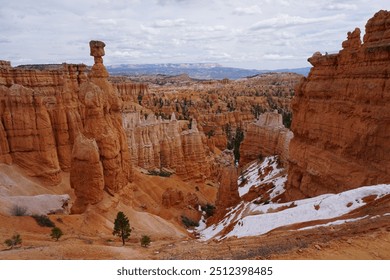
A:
(341, 118)
(266, 136)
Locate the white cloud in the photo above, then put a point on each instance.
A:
(167, 23)
(341, 6)
(154, 31)
(251, 10)
(285, 20)
(275, 56)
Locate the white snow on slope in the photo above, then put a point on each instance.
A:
(335, 223)
(250, 219)
(43, 204)
(251, 177)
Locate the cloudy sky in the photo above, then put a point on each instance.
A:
(262, 34)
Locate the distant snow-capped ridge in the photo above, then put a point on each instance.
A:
(166, 65)
(194, 70)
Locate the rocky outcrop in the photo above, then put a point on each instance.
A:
(27, 132)
(44, 108)
(227, 195)
(5, 156)
(86, 175)
(133, 92)
(219, 106)
(155, 143)
(176, 198)
(341, 118)
(103, 122)
(265, 137)
(41, 115)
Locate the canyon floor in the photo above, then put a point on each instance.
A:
(365, 239)
(88, 235)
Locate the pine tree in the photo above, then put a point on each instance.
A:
(122, 227)
(56, 233)
(145, 240)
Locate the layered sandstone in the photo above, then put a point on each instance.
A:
(265, 137)
(44, 108)
(86, 175)
(133, 92)
(227, 195)
(341, 118)
(217, 105)
(155, 143)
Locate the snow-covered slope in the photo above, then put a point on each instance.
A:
(261, 173)
(252, 218)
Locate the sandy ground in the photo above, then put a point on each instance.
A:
(89, 236)
(365, 239)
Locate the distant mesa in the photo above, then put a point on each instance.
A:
(195, 70)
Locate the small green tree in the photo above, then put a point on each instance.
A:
(14, 241)
(122, 227)
(56, 233)
(145, 241)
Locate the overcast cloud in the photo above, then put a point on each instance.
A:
(266, 34)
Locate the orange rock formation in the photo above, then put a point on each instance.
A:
(227, 195)
(341, 118)
(266, 137)
(156, 143)
(86, 174)
(44, 108)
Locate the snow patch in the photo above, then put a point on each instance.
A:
(37, 205)
(250, 219)
(334, 223)
(251, 176)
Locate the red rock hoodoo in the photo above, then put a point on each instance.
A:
(266, 137)
(44, 108)
(227, 195)
(341, 120)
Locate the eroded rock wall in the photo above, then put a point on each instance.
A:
(155, 143)
(266, 137)
(44, 108)
(341, 120)
(40, 115)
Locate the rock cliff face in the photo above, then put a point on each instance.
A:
(133, 92)
(227, 195)
(266, 137)
(86, 175)
(44, 108)
(156, 143)
(40, 117)
(341, 118)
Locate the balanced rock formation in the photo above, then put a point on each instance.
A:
(266, 137)
(103, 122)
(341, 118)
(45, 108)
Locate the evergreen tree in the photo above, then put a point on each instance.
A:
(56, 233)
(145, 241)
(122, 227)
